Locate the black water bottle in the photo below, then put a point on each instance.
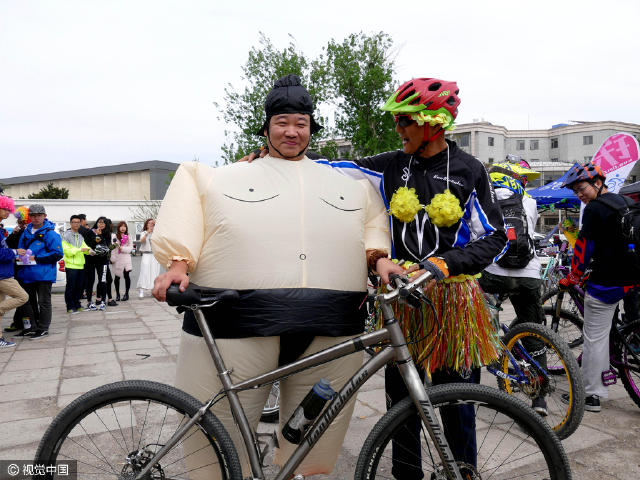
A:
(307, 411)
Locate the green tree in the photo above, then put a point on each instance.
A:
(361, 78)
(50, 191)
(245, 109)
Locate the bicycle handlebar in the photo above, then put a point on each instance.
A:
(403, 289)
(197, 295)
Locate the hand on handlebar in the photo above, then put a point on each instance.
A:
(436, 266)
(385, 267)
(569, 281)
(176, 274)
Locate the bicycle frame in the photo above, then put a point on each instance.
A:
(395, 349)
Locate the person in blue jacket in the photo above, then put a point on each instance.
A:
(11, 293)
(39, 273)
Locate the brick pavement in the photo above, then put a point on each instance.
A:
(88, 349)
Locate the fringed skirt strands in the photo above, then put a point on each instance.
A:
(463, 336)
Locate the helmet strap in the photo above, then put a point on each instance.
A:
(426, 141)
(287, 157)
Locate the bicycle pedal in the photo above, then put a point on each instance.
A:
(609, 377)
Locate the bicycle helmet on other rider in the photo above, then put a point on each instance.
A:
(588, 172)
(520, 172)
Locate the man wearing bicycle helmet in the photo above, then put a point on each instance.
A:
(296, 240)
(614, 273)
(517, 273)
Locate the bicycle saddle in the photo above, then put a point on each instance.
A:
(197, 295)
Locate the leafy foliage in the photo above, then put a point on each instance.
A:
(362, 79)
(50, 191)
(355, 77)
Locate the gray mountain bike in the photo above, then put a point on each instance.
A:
(147, 430)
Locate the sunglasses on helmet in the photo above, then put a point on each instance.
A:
(403, 120)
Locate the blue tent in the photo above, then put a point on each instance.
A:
(553, 194)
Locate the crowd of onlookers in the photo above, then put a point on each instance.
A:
(96, 259)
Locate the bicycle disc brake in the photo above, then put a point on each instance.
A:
(136, 461)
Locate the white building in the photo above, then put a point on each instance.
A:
(550, 151)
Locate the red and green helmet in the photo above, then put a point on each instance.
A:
(426, 100)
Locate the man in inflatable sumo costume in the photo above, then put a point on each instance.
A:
(296, 239)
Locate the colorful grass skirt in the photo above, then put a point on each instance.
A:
(463, 336)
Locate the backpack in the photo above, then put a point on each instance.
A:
(629, 220)
(520, 250)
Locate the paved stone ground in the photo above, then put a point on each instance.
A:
(89, 349)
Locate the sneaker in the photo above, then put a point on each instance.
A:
(102, 306)
(92, 306)
(539, 405)
(11, 328)
(112, 303)
(591, 402)
(80, 309)
(69, 310)
(141, 293)
(125, 297)
(39, 334)
(6, 343)
(25, 333)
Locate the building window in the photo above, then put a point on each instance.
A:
(464, 139)
(490, 141)
(554, 142)
(490, 160)
(533, 145)
(587, 140)
(588, 158)
(519, 144)
(554, 159)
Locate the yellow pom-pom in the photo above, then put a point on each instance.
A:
(444, 210)
(404, 204)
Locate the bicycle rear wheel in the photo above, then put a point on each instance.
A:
(114, 431)
(556, 373)
(512, 442)
(630, 368)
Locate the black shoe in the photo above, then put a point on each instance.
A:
(125, 297)
(25, 333)
(592, 403)
(117, 297)
(39, 334)
(112, 303)
(539, 405)
(12, 328)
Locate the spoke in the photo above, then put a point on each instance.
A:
(144, 423)
(115, 415)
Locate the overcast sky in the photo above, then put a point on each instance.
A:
(94, 82)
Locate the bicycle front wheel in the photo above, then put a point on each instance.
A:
(114, 431)
(511, 441)
(547, 375)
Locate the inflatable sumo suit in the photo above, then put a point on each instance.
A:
(291, 236)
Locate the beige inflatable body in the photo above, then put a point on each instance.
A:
(269, 224)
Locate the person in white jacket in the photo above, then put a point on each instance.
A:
(297, 240)
(517, 273)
